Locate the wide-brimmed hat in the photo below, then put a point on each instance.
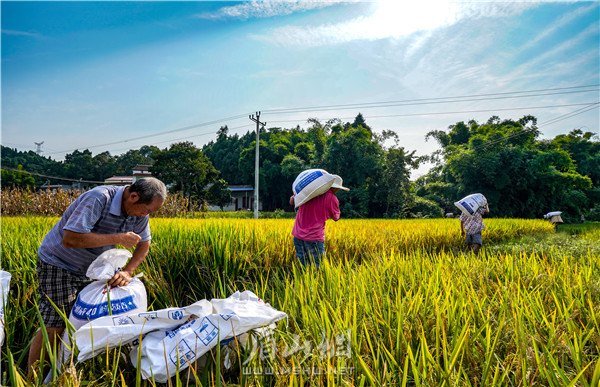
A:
(337, 183)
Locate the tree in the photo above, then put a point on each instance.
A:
(79, 164)
(125, 163)
(32, 162)
(17, 178)
(397, 186)
(219, 193)
(352, 151)
(185, 168)
(104, 165)
(355, 155)
(520, 176)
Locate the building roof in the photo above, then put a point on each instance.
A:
(238, 188)
(142, 168)
(119, 179)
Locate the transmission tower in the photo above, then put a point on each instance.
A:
(39, 147)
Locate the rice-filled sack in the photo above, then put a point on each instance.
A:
(471, 203)
(4, 288)
(551, 214)
(163, 353)
(309, 184)
(92, 301)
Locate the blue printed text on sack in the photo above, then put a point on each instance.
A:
(306, 180)
(85, 311)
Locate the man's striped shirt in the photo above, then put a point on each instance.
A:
(99, 211)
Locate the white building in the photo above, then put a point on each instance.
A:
(242, 199)
(140, 171)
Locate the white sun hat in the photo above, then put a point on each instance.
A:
(337, 183)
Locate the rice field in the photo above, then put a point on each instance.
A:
(397, 302)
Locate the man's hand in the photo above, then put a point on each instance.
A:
(121, 278)
(129, 239)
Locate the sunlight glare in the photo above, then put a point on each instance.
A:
(400, 18)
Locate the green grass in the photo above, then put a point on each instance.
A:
(568, 240)
(396, 302)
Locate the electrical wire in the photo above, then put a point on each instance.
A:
(368, 105)
(188, 137)
(554, 120)
(413, 102)
(160, 133)
(546, 123)
(372, 117)
(53, 177)
(452, 112)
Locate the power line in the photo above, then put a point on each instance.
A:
(569, 115)
(546, 123)
(367, 105)
(455, 112)
(159, 134)
(588, 107)
(188, 137)
(423, 101)
(54, 177)
(370, 117)
(385, 116)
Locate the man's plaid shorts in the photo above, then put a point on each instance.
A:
(62, 287)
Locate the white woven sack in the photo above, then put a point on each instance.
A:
(471, 203)
(309, 184)
(551, 214)
(176, 335)
(92, 301)
(4, 288)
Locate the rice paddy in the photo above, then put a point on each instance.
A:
(397, 302)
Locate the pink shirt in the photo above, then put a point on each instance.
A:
(312, 215)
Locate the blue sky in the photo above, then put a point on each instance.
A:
(78, 75)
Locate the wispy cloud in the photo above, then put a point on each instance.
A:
(263, 9)
(392, 19)
(557, 54)
(22, 33)
(560, 23)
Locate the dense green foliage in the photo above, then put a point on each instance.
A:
(520, 175)
(377, 176)
(185, 168)
(17, 178)
(77, 165)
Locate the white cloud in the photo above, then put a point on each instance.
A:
(263, 9)
(393, 19)
(22, 33)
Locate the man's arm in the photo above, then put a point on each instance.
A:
(123, 277)
(462, 227)
(334, 208)
(73, 239)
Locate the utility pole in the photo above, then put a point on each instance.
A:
(258, 123)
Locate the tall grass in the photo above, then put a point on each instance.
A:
(23, 202)
(396, 303)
